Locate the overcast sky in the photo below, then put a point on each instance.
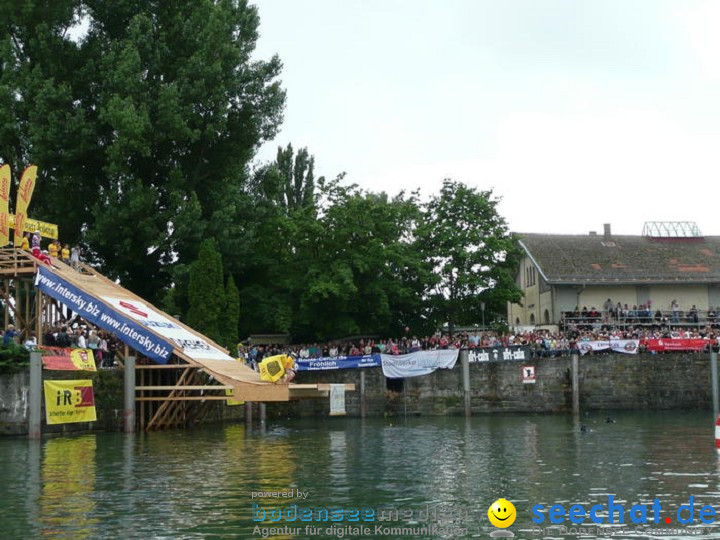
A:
(576, 113)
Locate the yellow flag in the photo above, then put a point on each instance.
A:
(4, 205)
(69, 401)
(25, 191)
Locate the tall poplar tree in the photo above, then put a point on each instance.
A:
(206, 293)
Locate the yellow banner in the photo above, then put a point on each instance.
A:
(47, 230)
(4, 205)
(24, 194)
(69, 401)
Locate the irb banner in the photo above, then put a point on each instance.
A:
(60, 359)
(69, 401)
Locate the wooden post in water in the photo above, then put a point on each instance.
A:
(466, 381)
(35, 396)
(575, 386)
(362, 393)
(129, 403)
(248, 414)
(263, 413)
(714, 376)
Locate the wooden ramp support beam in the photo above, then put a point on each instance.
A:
(319, 390)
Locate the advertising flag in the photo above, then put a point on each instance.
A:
(60, 359)
(67, 402)
(4, 204)
(24, 194)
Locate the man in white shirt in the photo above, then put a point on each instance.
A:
(81, 342)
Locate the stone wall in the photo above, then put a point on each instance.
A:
(644, 381)
(14, 403)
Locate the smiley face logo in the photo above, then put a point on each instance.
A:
(502, 513)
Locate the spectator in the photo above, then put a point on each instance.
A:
(31, 342)
(81, 341)
(54, 248)
(25, 244)
(75, 257)
(63, 339)
(9, 335)
(65, 254)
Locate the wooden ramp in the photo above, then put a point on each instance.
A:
(116, 303)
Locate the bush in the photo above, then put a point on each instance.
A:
(13, 358)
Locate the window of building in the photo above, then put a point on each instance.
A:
(547, 317)
(532, 318)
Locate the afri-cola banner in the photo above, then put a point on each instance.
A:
(675, 344)
(59, 359)
(499, 354)
(418, 363)
(338, 362)
(627, 346)
(69, 401)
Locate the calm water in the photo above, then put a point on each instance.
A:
(198, 483)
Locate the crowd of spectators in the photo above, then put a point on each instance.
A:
(644, 314)
(76, 334)
(542, 343)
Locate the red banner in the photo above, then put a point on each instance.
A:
(671, 344)
(68, 359)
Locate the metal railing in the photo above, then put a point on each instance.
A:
(643, 317)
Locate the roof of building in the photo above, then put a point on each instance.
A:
(586, 259)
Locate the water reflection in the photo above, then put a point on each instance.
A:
(198, 483)
(68, 484)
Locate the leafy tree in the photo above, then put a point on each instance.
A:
(289, 180)
(361, 272)
(472, 253)
(231, 314)
(142, 127)
(206, 292)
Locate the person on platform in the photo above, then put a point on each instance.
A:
(75, 257)
(25, 244)
(36, 239)
(65, 254)
(54, 248)
(290, 369)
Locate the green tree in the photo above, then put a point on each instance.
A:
(206, 293)
(361, 271)
(231, 314)
(143, 127)
(472, 253)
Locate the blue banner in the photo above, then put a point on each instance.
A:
(339, 362)
(101, 315)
